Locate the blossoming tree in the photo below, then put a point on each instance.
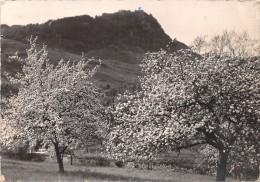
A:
(188, 100)
(58, 105)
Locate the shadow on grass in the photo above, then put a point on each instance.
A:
(101, 176)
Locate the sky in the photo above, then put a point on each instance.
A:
(180, 19)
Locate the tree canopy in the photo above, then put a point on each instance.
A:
(188, 100)
(58, 105)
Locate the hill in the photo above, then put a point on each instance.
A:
(125, 30)
(120, 40)
(118, 71)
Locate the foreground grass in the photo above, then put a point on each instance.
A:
(15, 170)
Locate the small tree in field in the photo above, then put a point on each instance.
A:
(187, 101)
(55, 104)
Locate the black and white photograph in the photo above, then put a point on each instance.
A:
(130, 90)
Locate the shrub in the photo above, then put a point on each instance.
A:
(17, 151)
(94, 161)
(101, 161)
(132, 165)
(34, 157)
(244, 165)
(119, 164)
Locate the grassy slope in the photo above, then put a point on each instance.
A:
(118, 68)
(14, 170)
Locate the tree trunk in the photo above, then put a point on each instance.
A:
(222, 165)
(59, 158)
(71, 160)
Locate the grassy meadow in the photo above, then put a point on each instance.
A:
(15, 170)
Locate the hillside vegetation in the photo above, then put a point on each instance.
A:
(118, 70)
(125, 30)
(120, 40)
